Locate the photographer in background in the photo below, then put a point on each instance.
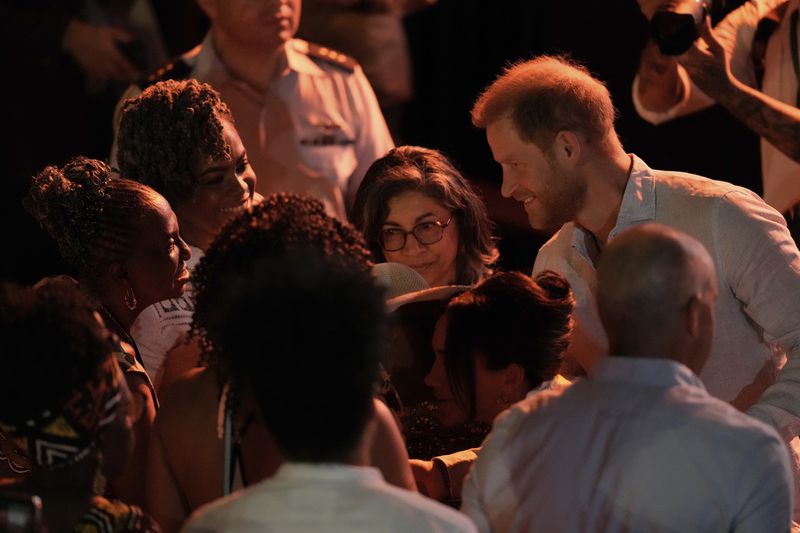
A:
(755, 46)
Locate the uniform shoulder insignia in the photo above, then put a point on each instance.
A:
(176, 70)
(323, 53)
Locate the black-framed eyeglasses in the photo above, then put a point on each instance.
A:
(394, 239)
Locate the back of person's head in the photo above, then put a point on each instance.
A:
(281, 223)
(412, 168)
(92, 215)
(308, 332)
(647, 279)
(545, 95)
(167, 130)
(507, 319)
(59, 384)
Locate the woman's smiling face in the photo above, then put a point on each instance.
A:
(436, 262)
(225, 188)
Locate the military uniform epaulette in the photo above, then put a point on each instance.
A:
(323, 53)
(179, 69)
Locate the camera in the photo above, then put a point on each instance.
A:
(675, 27)
(21, 513)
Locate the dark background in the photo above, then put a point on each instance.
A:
(457, 46)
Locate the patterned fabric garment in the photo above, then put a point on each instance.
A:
(426, 437)
(112, 516)
(59, 438)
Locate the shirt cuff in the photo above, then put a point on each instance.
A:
(454, 468)
(659, 117)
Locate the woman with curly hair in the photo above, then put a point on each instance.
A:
(415, 208)
(483, 364)
(208, 439)
(179, 138)
(122, 239)
(70, 425)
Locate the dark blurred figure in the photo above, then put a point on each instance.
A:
(65, 63)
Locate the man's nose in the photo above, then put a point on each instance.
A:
(509, 185)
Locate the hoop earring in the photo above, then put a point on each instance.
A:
(130, 299)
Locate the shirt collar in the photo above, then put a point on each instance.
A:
(646, 371)
(210, 68)
(328, 472)
(639, 200)
(638, 204)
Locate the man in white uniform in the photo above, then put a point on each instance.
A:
(307, 115)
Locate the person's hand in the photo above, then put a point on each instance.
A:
(707, 62)
(429, 479)
(96, 50)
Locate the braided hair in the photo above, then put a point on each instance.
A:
(92, 215)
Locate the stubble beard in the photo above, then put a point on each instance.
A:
(560, 203)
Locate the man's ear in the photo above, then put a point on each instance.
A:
(693, 320)
(567, 147)
(209, 7)
(514, 380)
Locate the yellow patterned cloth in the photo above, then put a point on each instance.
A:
(112, 516)
(65, 435)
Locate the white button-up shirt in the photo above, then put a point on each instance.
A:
(758, 272)
(639, 446)
(304, 497)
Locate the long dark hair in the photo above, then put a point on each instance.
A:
(90, 213)
(508, 318)
(411, 168)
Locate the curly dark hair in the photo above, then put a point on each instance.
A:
(282, 222)
(52, 343)
(508, 318)
(313, 362)
(165, 129)
(92, 215)
(411, 168)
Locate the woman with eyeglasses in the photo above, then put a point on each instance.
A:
(416, 209)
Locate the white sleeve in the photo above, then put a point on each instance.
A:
(487, 496)
(760, 263)
(372, 139)
(764, 490)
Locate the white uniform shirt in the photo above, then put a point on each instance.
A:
(781, 175)
(640, 446)
(316, 129)
(304, 497)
